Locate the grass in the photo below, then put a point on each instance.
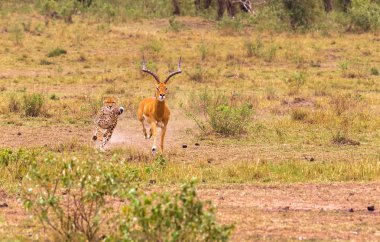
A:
(305, 90)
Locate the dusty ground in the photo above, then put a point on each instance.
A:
(294, 212)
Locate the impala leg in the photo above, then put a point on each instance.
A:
(144, 129)
(163, 132)
(153, 128)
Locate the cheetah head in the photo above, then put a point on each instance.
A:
(109, 102)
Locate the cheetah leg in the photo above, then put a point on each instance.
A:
(95, 136)
(106, 137)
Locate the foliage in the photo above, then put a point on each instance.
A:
(57, 52)
(69, 197)
(223, 115)
(14, 104)
(295, 82)
(302, 13)
(365, 15)
(33, 104)
(16, 162)
(170, 217)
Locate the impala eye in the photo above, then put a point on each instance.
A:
(166, 88)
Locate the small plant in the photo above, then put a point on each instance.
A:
(254, 48)
(204, 50)
(199, 74)
(14, 104)
(228, 26)
(56, 52)
(181, 216)
(174, 24)
(295, 82)
(343, 67)
(33, 104)
(54, 97)
(46, 62)
(374, 71)
(299, 114)
(270, 54)
(18, 34)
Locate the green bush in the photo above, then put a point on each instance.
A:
(16, 162)
(69, 197)
(33, 104)
(302, 13)
(57, 52)
(170, 217)
(229, 120)
(365, 15)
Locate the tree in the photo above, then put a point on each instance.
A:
(328, 5)
(177, 10)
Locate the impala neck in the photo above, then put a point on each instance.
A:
(160, 108)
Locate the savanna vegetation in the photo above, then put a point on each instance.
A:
(274, 132)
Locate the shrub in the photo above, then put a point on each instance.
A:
(33, 104)
(16, 162)
(14, 104)
(174, 24)
(302, 13)
(229, 120)
(57, 52)
(374, 71)
(295, 82)
(170, 217)
(365, 15)
(69, 197)
(225, 115)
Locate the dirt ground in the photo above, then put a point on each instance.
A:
(295, 212)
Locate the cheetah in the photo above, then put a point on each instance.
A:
(106, 121)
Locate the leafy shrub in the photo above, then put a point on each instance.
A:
(374, 71)
(69, 197)
(16, 162)
(57, 52)
(365, 15)
(302, 13)
(223, 115)
(170, 217)
(229, 120)
(33, 104)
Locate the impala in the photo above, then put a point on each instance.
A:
(154, 110)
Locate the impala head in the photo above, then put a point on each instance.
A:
(161, 87)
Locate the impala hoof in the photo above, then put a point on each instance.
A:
(154, 149)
